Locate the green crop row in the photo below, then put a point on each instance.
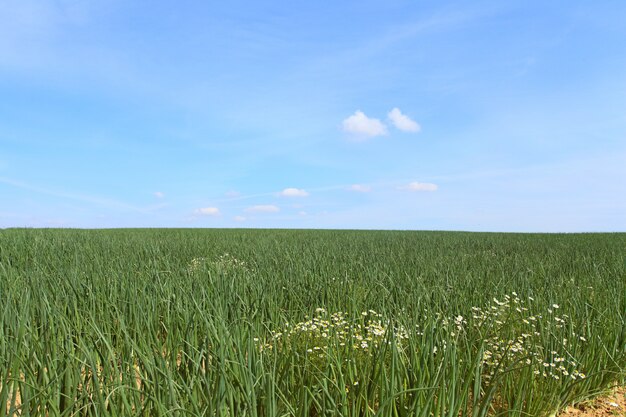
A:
(307, 323)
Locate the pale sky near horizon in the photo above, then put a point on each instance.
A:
(442, 115)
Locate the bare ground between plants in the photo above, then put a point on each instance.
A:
(612, 405)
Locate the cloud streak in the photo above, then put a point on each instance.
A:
(263, 208)
(419, 186)
(360, 188)
(293, 192)
(99, 201)
(207, 211)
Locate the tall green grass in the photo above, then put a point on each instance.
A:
(307, 323)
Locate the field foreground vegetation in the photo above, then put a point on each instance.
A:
(308, 323)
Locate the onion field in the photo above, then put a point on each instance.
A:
(303, 323)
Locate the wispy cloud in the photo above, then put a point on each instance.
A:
(32, 33)
(239, 219)
(293, 192)
(97, 200)
(159, 194)
(402, 121)
(360, 188)
(263, 208)
(207, 211)
(360, 125)
(419, 186)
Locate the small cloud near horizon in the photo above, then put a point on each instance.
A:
(263, 208)
(239, 219)
(360, 188)
(159, 194)
(207, 211)
(419, 186)
(293, 192)
(403, 122)
(361, 125)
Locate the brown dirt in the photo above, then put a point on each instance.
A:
(613, 405)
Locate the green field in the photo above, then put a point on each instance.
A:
(307, 323)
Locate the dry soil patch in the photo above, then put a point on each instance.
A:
(610, 405)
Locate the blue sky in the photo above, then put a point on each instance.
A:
(463, 115)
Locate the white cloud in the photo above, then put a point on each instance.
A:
(302, 213)
(362, 125)
(232, 194)
(239, 219)
(402, 121)
(293, 192)
(208, 211)
(419, 186)
(159, 194)
(360, 188)
(268, 208)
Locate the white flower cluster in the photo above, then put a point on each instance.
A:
(511, 336)
(224, 263)
(228, 263)
(514, 338)
(195, 264)
(325, 331)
